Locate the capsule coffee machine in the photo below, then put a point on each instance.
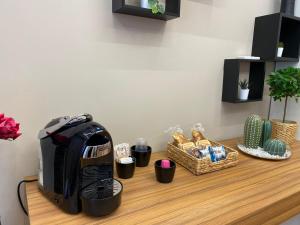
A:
(76, 166)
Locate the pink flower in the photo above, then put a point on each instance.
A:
(9, 129)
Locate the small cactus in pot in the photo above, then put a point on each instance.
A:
(253, 131)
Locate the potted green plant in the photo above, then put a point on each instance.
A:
(244, 89)
(280, 48)
(156, 6)
(284, 84)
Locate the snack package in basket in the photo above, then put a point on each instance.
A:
(179, 139)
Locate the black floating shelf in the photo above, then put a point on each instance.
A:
(231, 79)
(272, 29)
(245, 101)
(172, 10)
(285, 59)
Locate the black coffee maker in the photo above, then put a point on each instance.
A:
(76, 166)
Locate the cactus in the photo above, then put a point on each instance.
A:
(253, 131)
(266, 132)
(275, 147)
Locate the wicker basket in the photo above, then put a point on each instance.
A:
(284, 131)
(202, 166)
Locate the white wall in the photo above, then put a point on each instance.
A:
(137, 76)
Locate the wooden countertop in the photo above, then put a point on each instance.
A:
(254, 192)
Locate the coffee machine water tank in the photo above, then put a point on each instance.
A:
(76, 166)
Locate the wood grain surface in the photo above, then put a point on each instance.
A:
(254, 192)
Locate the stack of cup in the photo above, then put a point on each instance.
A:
(125, 164)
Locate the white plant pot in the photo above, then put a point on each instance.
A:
(279, 52)
(145, 4)
(243, 94)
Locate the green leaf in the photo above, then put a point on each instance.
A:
(155, 10)
(284, 83)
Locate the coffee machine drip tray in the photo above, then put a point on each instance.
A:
(102, 197)
(99, 190)
(92, 175)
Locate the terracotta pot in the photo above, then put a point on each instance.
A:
(284, 131)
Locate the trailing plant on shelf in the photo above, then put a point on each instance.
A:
(157, 7)
(285, 84)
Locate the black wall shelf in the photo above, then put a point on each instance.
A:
(231, 79)
(270, 30)
(172, 10)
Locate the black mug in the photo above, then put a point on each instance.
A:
(125, 170)
(164, 175)
(142, 157)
